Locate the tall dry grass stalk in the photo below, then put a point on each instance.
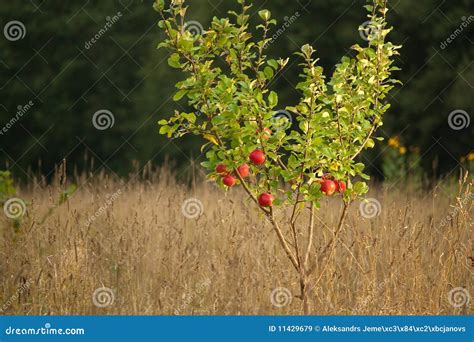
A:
(228, 260)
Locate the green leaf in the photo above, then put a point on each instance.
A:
(164, 129)
(173, 61)
(360, 188)
(370, 143)
(191, 117)
(273, 63)
(66, 194)
(268, 73)
(369, 8)
(272, 99)
(265, 14)
(277, 202)
(159, 5)
(307, 50)
(179, 95)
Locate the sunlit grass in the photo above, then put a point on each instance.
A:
(228, 261)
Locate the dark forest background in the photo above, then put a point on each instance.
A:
(124, 73)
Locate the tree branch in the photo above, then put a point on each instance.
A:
(310, 235)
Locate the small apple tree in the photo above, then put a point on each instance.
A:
(227, 84)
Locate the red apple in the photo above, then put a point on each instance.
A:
(257, 157)
(228, 180)
(221, 168)
(243, 170)
(328, 187)
(265, 199)
(341, 186)
(267, 133)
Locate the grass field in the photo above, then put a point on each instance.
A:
(119, 247)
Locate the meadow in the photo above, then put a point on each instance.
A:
(133, 248)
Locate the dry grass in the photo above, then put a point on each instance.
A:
(228, 261)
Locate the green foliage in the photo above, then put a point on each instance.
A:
(336, 118)
(69, 83)
(468, 162)
(7, 188)
(123, 73)
(402, 163)
(67, 193)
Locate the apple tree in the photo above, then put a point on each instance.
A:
(283, 162)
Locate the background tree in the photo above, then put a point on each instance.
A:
(121, 73)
